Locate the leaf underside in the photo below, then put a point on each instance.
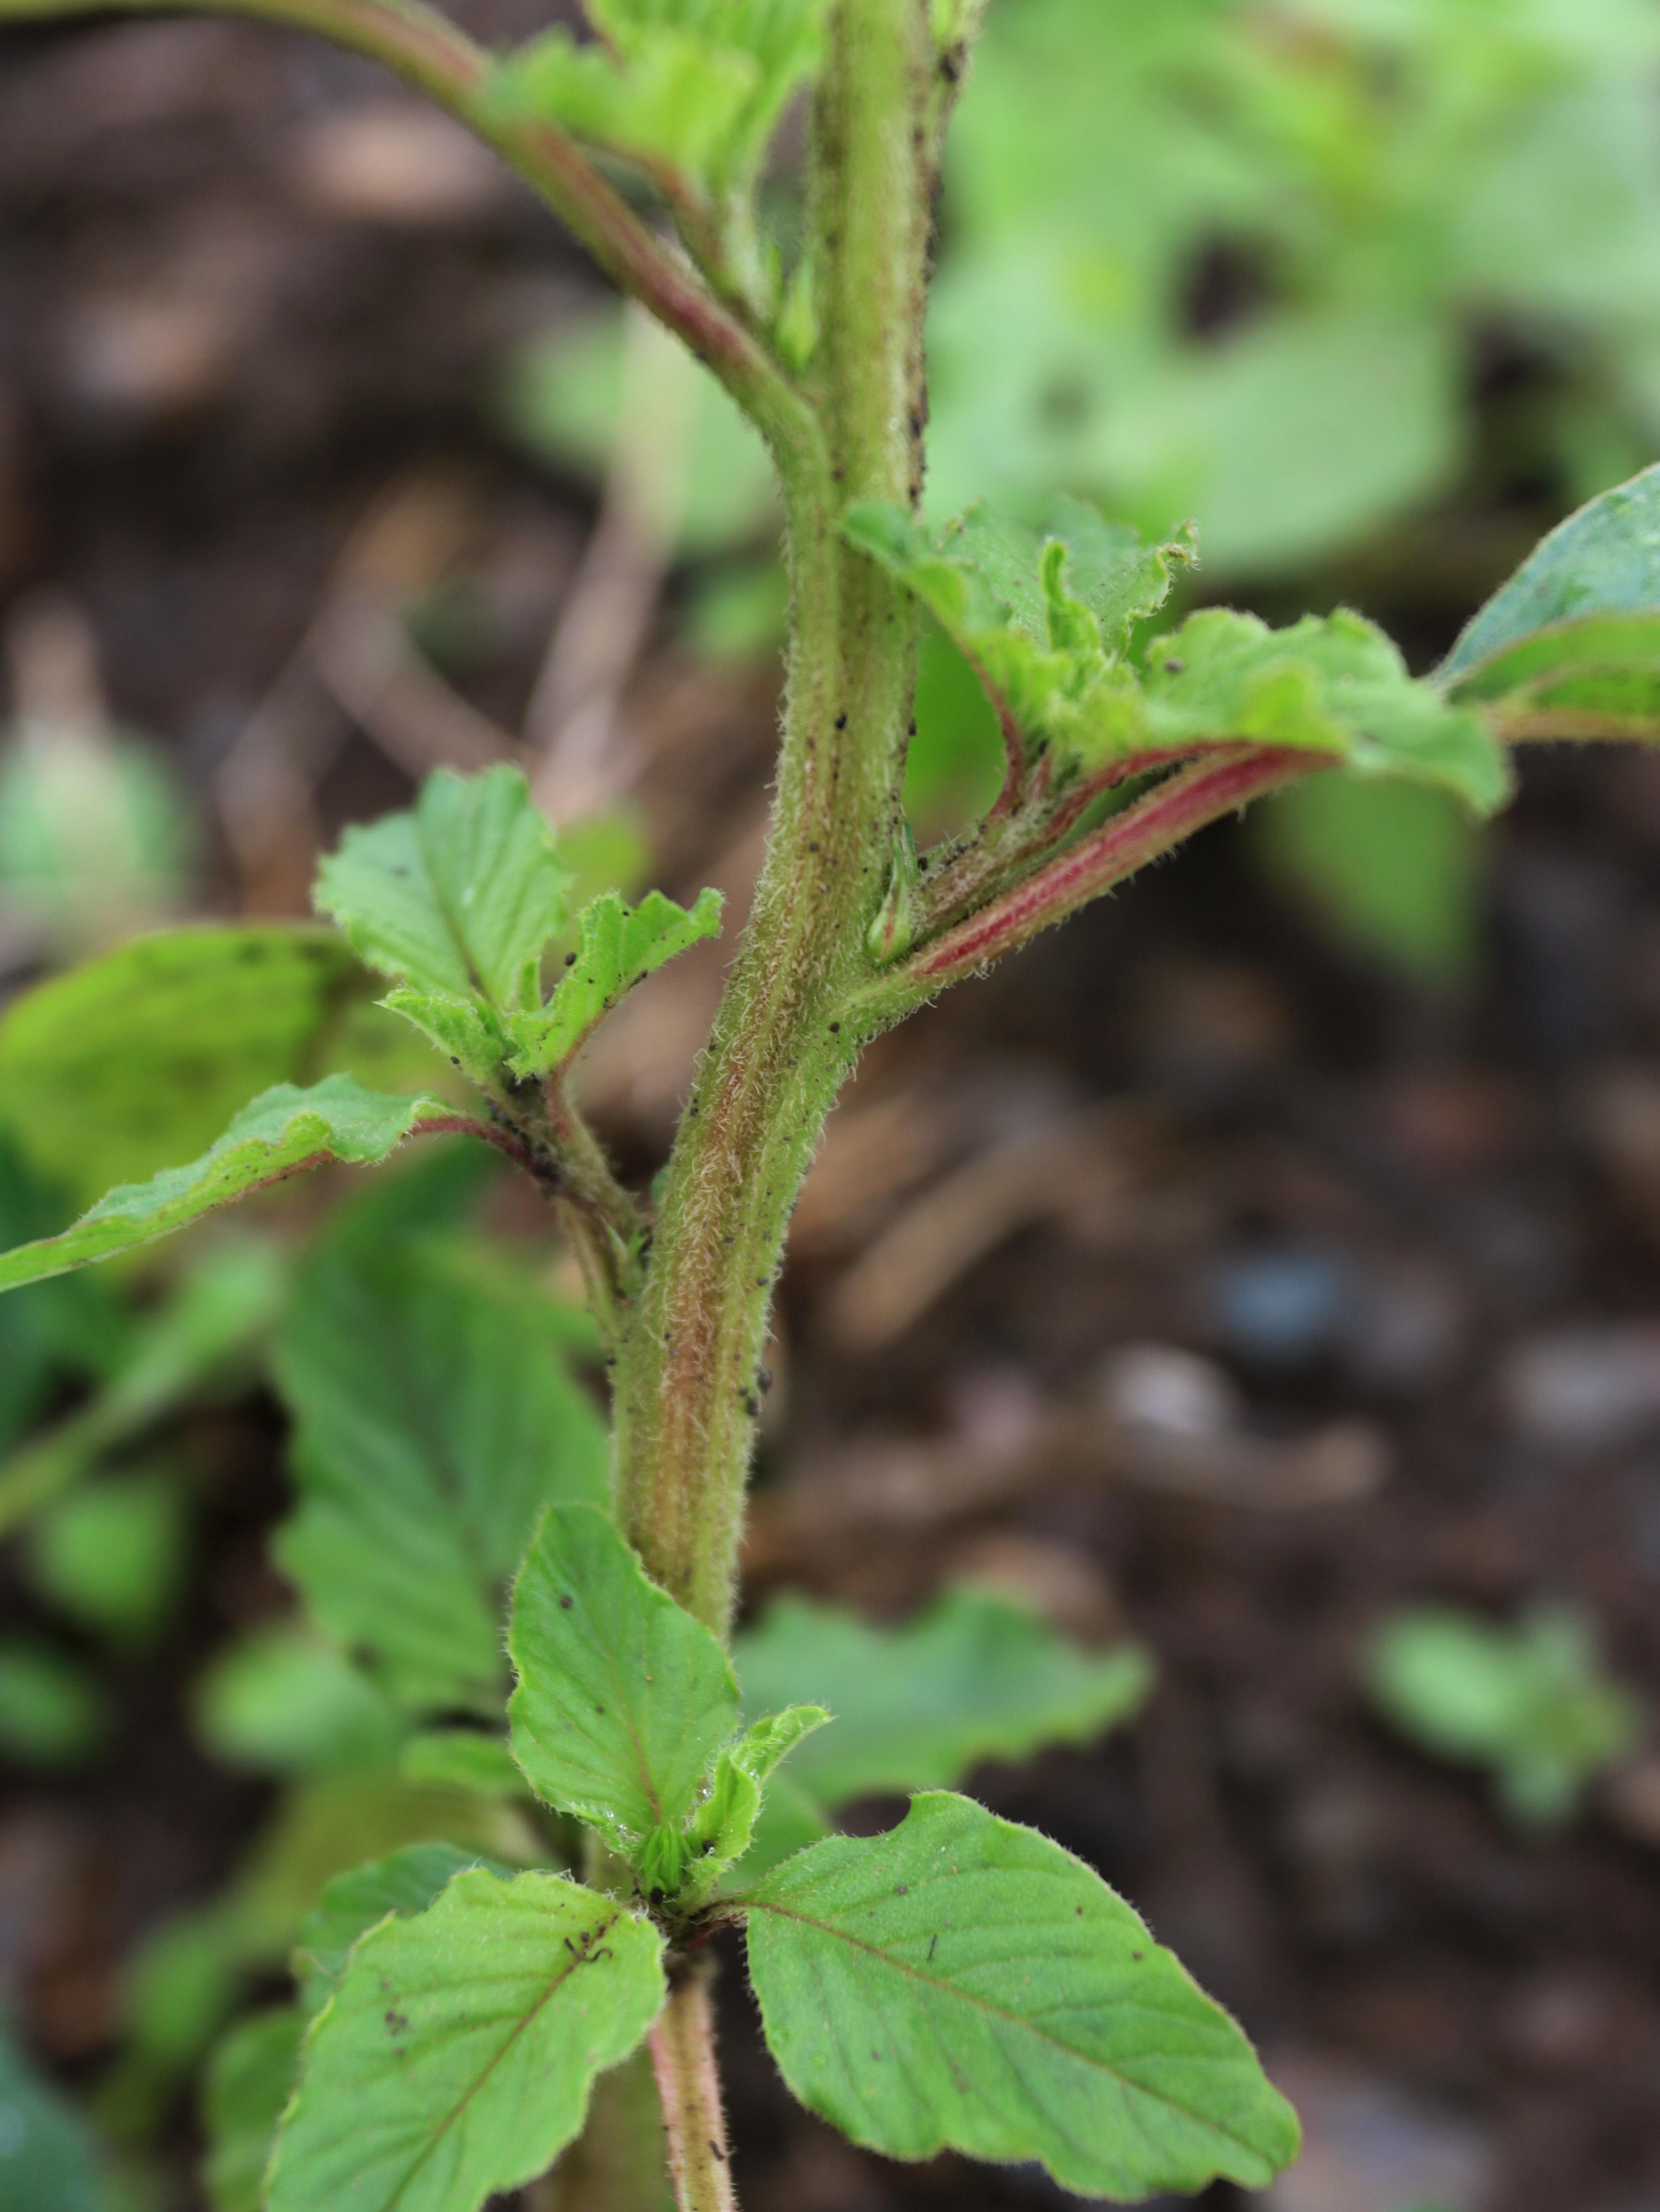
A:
(960, 1982)
(1570, 645)
(456, 2057)
(283, 1130)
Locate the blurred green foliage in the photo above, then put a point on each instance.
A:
(1533, 1704)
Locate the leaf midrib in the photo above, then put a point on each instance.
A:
(521, 2026)
(998, 2012)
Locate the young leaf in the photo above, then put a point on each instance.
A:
(724, 1824)
(696, 86)
(620, 945)
(456, 2057)
(1046, 623)
(459, 897)
(1531, 1704)
(435, 1416)
(285, 1130)
(138, 1060)
(624, 1700)
(1570, 646)
(963, 1984)
(403, 1884)
(250, 2080)
(976, 1677)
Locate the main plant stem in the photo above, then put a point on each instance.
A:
(687, 1388)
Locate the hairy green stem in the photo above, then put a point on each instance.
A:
(688, 2092)
(687, 1382)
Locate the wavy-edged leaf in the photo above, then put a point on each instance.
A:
(403, 1884)
(459, 896)
(1570, 646)
(435, 1415)
(619, 945)
(456, 2057)
(915, 1708)
(250, 2079)
(137, 1061)
(1045, 618)
(284, 1130)
(725, 1824)
(960, 1982)
(1333, 684)
(624, 1700)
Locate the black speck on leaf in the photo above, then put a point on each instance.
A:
(565, 1604)
(570, 960)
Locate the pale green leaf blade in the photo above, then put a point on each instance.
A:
(976, 1677)
(435, 1416)
(455, 2059)
(619, 946)
(1330, 684)
(461, 896)
(963, 1984)
(624, 1700)
(725, 1824)
(137, 1061)
(404, 1883)
(1570, 645)
(285, 1130)
(250, 2080)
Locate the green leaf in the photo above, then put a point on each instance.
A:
(623, 1701)
(1570, 646)
(456, 2058)
(976, 1677)
(283, 1701)
(725, 1822)
(619, 946)
(963, 1984)
(1046, 620)
(403, 1884)
(50, 2162)
(249, 2081)
(435, 1415)
(1334, 683)
(284, 1130)
(696, 85)
(458, 898)
(1533, 1704)
(138, 1060)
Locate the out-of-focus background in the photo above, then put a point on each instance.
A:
(1267, 1265)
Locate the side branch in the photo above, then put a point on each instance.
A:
(1156, 823)
(427, 50)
